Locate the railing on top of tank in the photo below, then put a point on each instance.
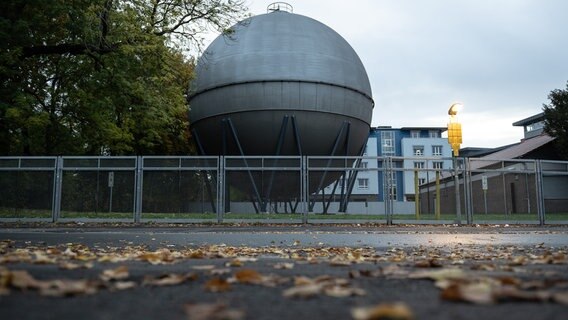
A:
(280, 6)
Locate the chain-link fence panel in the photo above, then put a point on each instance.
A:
(27, 186)
(555, 191)
(98, 188)
(264, 189)
(503, 191)
(179, 188)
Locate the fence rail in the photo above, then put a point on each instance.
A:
(282, 189)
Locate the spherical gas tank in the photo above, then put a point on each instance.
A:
(278, 66)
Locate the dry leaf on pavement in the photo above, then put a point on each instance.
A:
(383, 311)
(119, 273)
(170, 279)
(212, 311)
(304, 291)
(249, 276)
(217, 285)
(561, 297)
(478, 293)
(284, 265)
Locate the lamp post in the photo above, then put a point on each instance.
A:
(455, 140)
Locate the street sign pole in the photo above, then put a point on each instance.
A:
(484, 187)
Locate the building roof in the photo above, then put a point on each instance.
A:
(409, 128)
(425, 128)
(529, 120)
(517, 151)
(476, 152)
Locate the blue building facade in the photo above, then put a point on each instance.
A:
(421, 148)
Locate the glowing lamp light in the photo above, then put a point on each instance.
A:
(455, 108)
(454, 128)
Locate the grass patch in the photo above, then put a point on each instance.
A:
(155, 216)
(24, 213)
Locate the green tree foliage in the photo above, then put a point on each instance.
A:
(91, 77)
(556, 119)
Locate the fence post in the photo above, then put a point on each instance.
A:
(138, 181)
(388, 192)
(304, 197)
(220, 188)
(541, 210)
(57, 181)
(457, 191)
(467, 190)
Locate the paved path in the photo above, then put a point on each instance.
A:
(260, 302)
(304, 236)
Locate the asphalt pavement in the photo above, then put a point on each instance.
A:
(535, 257)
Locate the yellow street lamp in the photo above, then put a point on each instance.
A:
(454, 128)
(455, 139)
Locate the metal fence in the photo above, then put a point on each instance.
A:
(284, 189)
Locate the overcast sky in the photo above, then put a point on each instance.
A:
(501, 58)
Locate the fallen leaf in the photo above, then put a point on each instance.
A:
(21, 279)
(119, 273)
(384, 311)
(212, 311)
(220, 272)
(234, 263)
(284, 265)
(62, 288)
(478, 293)
(561, 297)
(74, 266)
(248, 276)
(4, 291)
(304, 291)
(505, 293)
(443, 274)
(429, 263)
(217, 285)
(124, 285)
(204, 267)
(170, 279)
(342, 292)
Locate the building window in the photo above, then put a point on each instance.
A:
(363, 183)
(535, 126)
(418, 151)
(436, 150)
(434, 134)
(363, 165)
(415, 133)
(387, 143)
(438, 165)
(418, 165)
(393, 192)
(421, 181)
